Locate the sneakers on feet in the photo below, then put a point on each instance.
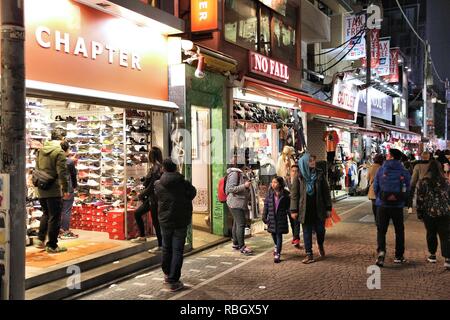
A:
(246, 251)
(139, 240)
(155, 250)
(380, 260)
(399, 260)
(55, 250)
(432, 258)
(68, 235)
(39, 244)
(176, 286)
(309, 259)
(277, 258)
(447, 264)
(235, 247)
(322, 251)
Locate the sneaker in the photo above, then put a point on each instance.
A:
(410, 210)
(166, 278)
(447, 264)
(139, 240)
(235, 247)
(55, 250)
(432, 258)
(322, 251)
(309, 259)
(380, 260)
(277, 258)
(176, 286)
(295, 241)
(246, 251)
(39, 244)
(155, 250)
(68, 235)
(399, 260)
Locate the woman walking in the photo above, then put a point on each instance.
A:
(377, 163)
(433, 207)
(276, 210)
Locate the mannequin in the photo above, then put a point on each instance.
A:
(285, 161)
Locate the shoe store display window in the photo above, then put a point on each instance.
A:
(110, 148)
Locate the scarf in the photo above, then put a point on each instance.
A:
(309, 176)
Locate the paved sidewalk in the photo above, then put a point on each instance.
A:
(350, 246)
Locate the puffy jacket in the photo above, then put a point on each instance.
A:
(277, 221)
(371, 177)
(322, 194)
(238, 195)
(395, 168)
(52, 160)
(154, 174)
(175, 195)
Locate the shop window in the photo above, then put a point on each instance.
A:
(241, 23)
(264, 25)
(284, 44)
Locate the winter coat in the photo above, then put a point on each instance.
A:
(322, 196)
(432, 200)
(52, 160)
(371, 177)
(277, 222)
(420, 171)
(175, 195)
(394, 167)
(154, 174)
(238, 195)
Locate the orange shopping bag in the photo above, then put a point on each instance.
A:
(328, 223)
(334, 216)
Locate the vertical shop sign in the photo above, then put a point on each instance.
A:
(204, 15)
(354, 26)
(374, 49)
(385, 58)
(393, 69)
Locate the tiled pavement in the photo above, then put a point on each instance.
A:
(223, 274)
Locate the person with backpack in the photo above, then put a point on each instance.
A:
(175, 195)
(237, 189)
(433, 207)
(391, 185)
(52, 186)
(276, 211)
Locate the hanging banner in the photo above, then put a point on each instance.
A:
(383, 68)
(393, 69)
(345, 95)
(374, 49)
(354, 26)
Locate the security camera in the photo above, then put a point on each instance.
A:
(199, 72)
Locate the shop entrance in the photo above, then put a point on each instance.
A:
(201, 173)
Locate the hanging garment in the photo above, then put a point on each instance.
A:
(300, 141)
(332, 139)
(254, 197)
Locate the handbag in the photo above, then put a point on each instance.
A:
(42, 180)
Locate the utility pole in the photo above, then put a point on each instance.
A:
(12, 137)
(424, 94)
(368, 79)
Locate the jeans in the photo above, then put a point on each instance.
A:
(238, 230)
(50, 220)
(278, 240)
(319, 226)
(172, 252)
(67, 205)
(140, 212)
(385, 214)
(295, 226)
(438, 226)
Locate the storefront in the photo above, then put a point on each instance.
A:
(104, 80)
(406, 141)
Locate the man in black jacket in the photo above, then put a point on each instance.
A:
(175, 196)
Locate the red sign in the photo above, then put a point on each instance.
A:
(204, 15)
(375, 49)
(394, 72)
(267, 67)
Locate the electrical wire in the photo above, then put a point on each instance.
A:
(342, 58)
(359, 35)
(435, 71)
(346, 42)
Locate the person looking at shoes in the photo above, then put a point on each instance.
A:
(175, 195)
(52, 187)
(149, 200)
(276, 210)
(67, 204)
(311, 204)
(433, 208)
(237, 189)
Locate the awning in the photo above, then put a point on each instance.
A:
(400, 133)
(350, 126)
(308, 104)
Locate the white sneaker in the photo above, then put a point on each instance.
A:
(139, 240)
(106, 191)
(93, 183)
(155, 250)
(94, 176)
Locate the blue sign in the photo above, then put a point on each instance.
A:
(381, 104)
